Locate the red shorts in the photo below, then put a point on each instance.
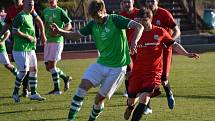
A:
(139, 83)
(167, 60)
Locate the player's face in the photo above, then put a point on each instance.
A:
(152, 4)
(29, 5)
(127, 5)
(52, 3)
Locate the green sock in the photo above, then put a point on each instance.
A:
(75, 106)
(33, 84)
(95, 113)
(14, 71)
(62, 74)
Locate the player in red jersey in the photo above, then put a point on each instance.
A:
(12, 11)
(128, 11)
(163, 18)
(146, 74)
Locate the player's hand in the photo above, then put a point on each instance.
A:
(43, 39)
(54, 28)
(193, 55)
(133, 48)
(32, 39)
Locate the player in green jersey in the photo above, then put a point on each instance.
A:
(108, 32)
(4, 59)
(24, 50)
(54, 46)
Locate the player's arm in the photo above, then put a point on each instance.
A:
(180, 50)
(18, 22)
(125, 23)
(5, 37)
(67, 34)
(5, 28)
(138, 30)
(176, 32)
(40, 25)
(66, 20)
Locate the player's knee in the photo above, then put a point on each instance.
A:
(99, 100)
(85, 84)
(21, 75)
(131, 101)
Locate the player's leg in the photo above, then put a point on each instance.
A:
(4, 59)
(78, 98)
(33, 77)
(62, 75)
(141, 107)
(111, 82)
(21, 60)
(167, 59)
(91, 78)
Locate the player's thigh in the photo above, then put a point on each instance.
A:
(22, 60)
(32, 61)
(94, 74)
(114, 78)
(53, 51)
(4, 59)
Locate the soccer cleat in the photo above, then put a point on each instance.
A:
(125, 94)
(171, 101)
(128, 112)
(66, 83)
(147, 110)
(16, 98)
(55, 92)
(26, 93)
(37, 97)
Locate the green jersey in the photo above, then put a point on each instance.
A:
(24, 23)
(58, 16)
(2, 47)
(110, 39)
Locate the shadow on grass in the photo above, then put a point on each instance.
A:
(190, 96)
(21, 111)
(56, 119)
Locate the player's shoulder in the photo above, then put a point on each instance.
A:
(163, 10)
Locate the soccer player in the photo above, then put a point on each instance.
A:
(24, 50)
(146, 74)
(108, 32)
(127, 10)
(54, 46)
(4, 59)
(164, 19)
(12, 11)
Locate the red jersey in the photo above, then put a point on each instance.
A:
(146, 73)
(12, 11)
(131, 16)
(164, 19)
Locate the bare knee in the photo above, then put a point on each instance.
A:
(85, 84)
(99, 100)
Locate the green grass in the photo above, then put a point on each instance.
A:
(191, 80)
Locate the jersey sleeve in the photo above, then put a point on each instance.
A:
(167, 39)
(65, 17)
(86, 30)
(120, 21)
(18, 22)
(170, 20)
(34, 14)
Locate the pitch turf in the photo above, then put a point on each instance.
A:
(193, 82)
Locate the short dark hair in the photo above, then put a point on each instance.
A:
(95, 6)
(144, 13)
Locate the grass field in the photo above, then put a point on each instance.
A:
(193, 82)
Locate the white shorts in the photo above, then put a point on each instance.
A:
(25, 60)
(4, 59)
(53, 51)
(108, 78)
